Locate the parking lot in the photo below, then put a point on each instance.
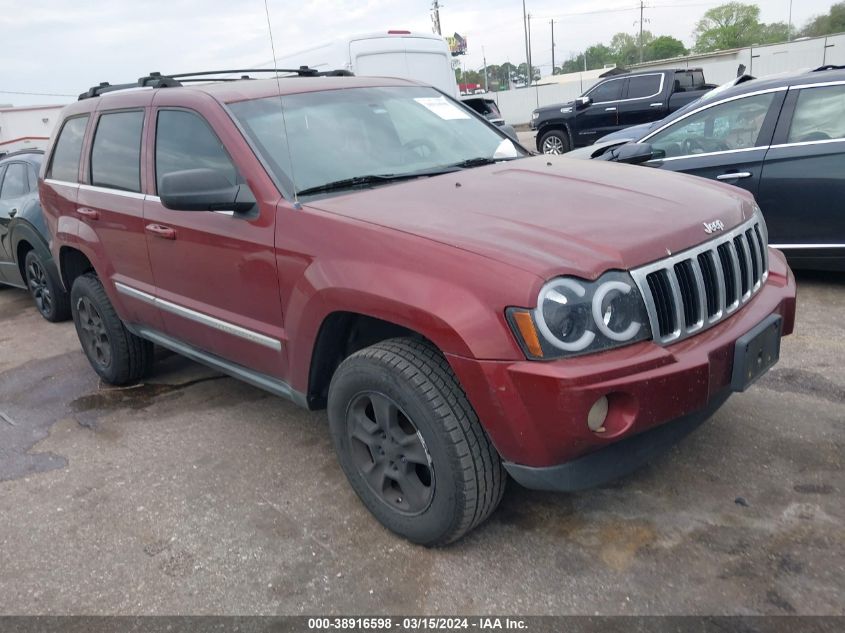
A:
(194, 493)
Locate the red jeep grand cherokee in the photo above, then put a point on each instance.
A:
(465, 311)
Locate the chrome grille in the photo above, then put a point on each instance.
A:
(691, 291)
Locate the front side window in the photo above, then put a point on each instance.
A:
(316, 138)
(818, 115)
(609, 91)
(116, 153)
(14, 182)
(729, 126)
(640, 87)
(185, 141)
(66, 155)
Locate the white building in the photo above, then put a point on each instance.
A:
(26, 126)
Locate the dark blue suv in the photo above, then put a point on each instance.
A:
(25, 260)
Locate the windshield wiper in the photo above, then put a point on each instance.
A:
(480, 161)
(373, 179)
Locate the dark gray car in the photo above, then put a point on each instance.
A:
(25, 259)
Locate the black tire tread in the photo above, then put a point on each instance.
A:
(484, 476)
(132, 356)
(61, 299)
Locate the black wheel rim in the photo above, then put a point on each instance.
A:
(389, 453)
(36, 279)
(93, 333)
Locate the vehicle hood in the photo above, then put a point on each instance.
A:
(549, 215)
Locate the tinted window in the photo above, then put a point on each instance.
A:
(65, 163)
(639, 87)
(732, 125)
(818, 115)
(185, 141)
(116, 153)
(15, 182)
(609, 91)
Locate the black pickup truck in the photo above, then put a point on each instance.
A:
(613, 104)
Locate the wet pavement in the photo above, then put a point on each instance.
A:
(194, 493)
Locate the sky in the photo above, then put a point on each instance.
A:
(61, 48)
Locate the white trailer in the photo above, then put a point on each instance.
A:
(422, 57)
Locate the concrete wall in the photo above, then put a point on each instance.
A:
(27, 127)
(516, 105)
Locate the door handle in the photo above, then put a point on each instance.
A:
(91, 214)
(610, 109)
(164, 232)
(13, 212)
(734, 175)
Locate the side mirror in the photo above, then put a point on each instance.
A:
(632, 154)
(583, 102)
(204, 190)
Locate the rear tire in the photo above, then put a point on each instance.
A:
(49, 297)
(554, 142)
(411, 444)
(118, 356)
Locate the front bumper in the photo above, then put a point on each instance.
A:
(536, 412)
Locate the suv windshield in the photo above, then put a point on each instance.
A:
(341, 139)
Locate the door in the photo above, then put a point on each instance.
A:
(726, 141)
(110, 206)
(14, 190)
(215, 271)
(602, 115)
(803, 183)
(642, 101)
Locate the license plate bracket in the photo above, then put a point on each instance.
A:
(756, 352)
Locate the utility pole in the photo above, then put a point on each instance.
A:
(435, 16)
(789, 31)
(530, 65)
(553, 47)
(525, 27)
(642, 3)
(484, 57)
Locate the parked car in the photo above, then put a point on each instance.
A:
(615, 103)
(25, 259)
(782, 139)
(489, 109)
(444, 294)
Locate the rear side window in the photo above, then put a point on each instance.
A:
(185, 141)
(65, 162)
(609, 91)
(639, 87)
(116, 153)
(14, 182)
(818, 115)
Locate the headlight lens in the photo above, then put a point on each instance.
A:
(574, 316)
(535, 115)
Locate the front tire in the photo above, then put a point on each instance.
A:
(49, 297)
(554, 142)
(411, 444)
(118, 356)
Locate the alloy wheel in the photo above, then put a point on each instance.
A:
(389, 453)
(552, 145)
(93, 333)
(39, 288)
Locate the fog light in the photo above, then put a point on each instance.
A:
(597, 415)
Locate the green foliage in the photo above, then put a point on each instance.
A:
(664, 47)
(736, 25)
(832, 22)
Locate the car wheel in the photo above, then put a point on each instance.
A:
(49, 297)
(118, 356)
(554, 142)
(411, 444)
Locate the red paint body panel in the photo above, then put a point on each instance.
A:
(442, 260)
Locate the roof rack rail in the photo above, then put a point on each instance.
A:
(158, 80)
(18, 152)
(828, 67)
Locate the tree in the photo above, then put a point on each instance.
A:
(731, 25)
(664, 47)
(833, 22)
(773, 33)
(626, 47)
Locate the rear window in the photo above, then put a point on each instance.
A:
(15, 182)
(116, 154)
(818, 115)
(65, 161)
(647, 86)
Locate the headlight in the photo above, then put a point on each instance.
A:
(574, 316)
(535, 115)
